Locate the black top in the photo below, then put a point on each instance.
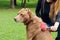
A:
(39, 10)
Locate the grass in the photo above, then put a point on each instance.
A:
(9, 30)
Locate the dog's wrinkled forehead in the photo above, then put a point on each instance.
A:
(23, 10)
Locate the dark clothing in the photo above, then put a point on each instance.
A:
(58, 38)
(38, 8)
(58, 30)
(42, 10)
(58, 17)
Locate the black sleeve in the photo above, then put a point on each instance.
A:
(38, 7)
(58, 20)
(58, 17)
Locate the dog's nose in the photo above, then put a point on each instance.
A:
(14, 19)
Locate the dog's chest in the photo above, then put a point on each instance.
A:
(33, 28)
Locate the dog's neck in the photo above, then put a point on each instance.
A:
(27, 22)
(30, 20)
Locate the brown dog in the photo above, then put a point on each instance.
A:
(33, 25)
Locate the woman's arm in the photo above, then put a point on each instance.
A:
(57, 23)
(55, 26)
(38, 7)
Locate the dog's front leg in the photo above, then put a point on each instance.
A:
(29, 36)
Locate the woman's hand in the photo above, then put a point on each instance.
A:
(55, 27)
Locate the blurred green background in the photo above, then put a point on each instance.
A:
(10, 30)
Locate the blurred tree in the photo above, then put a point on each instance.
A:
(28, 0)
(12, 4)
(15, 2)
(23, 3)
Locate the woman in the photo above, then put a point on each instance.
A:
(50, 14)
(54, 15)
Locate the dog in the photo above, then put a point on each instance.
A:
(33, 25)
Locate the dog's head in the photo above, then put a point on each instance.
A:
(23, 15)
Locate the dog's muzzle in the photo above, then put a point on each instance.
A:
(15, 19)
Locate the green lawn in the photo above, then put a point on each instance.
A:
(9, 29)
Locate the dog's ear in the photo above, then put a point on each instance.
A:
(29, 12)
(27, 9)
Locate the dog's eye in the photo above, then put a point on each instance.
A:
(22, 15)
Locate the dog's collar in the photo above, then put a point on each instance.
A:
(28, 22)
